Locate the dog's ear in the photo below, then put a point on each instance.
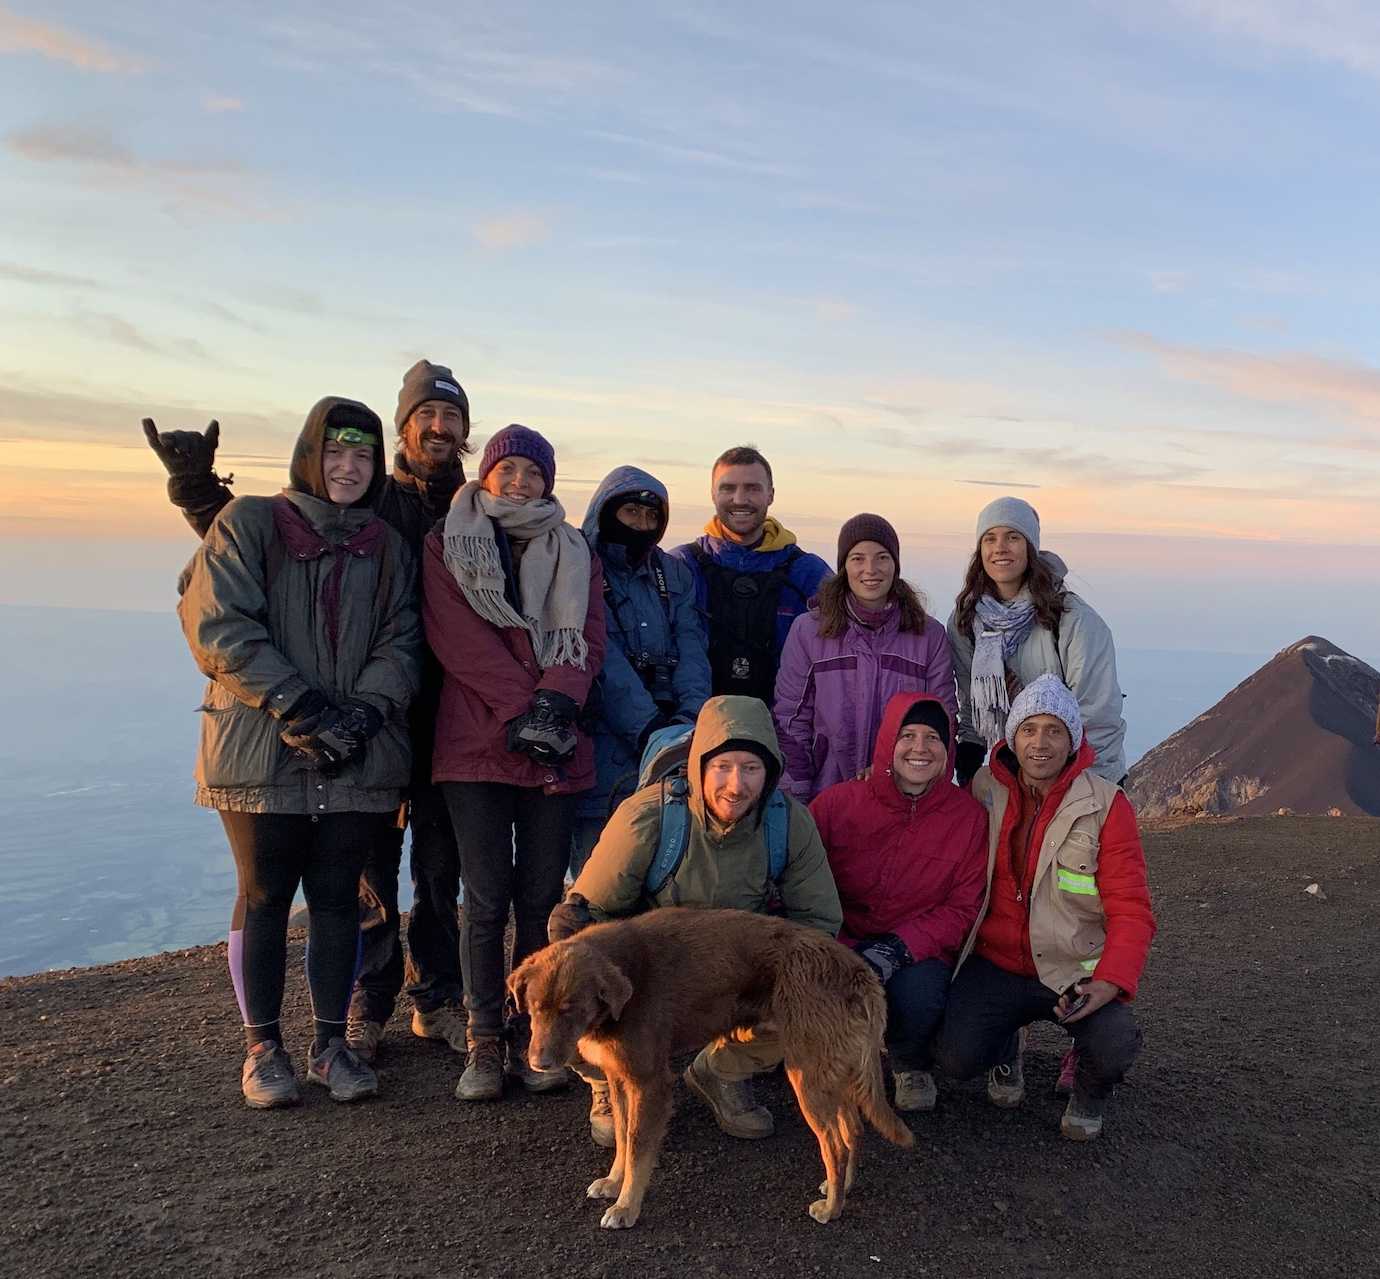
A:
(517, 987)
(614, 989)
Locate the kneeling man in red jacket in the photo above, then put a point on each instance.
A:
(1067, 924)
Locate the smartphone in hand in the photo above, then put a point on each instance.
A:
(1077, 1000)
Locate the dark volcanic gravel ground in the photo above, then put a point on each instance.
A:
(1247, 1142)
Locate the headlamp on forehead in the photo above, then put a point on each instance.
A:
(644, 497)
(351, 435)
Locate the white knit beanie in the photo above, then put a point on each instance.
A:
(1048, 695)
(1013, 513)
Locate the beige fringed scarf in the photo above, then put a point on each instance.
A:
(553, 586)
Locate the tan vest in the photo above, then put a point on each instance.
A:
(1067, 923)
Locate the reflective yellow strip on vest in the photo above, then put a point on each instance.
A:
(1072, 881)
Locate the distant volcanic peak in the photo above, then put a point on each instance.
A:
(1295, 733)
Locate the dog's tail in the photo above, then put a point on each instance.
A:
(830, 1007)
(868, 1086)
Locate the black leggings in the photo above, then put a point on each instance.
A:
(514, 846)
(274, 852)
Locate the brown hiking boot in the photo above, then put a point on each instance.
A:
(731, 1101)
(267, 1079)
(915, 1090)
(600, 1115)
(363, 1037)
(519, 1040)
(483, 1077)
(445, 1023)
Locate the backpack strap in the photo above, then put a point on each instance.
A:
(673, 834)
(777, 826)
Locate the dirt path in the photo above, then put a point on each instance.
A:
(1246, 1143)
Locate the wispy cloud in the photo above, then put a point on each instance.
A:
(514, 230)
(22, 274)
(217, 104)
(1349, 389)
(116, 329)
(1002, 484)
(24, 35)
(1345, 32)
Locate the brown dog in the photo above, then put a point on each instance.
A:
(627, 995)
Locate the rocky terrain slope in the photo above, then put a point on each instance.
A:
(1245, 1144)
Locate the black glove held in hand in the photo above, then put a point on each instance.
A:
(968, 757)
(885, 955)
(184, 453)
(335, 736)
(569, 917)
(546, 731)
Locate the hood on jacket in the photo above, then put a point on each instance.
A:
(723, 719)
(305, 473)
(1007, 770)
(620, 483)
(884, 748)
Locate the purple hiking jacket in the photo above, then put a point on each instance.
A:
(830, 693)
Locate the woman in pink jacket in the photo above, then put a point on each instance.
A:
(865, 638)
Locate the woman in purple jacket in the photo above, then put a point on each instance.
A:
(865, 638)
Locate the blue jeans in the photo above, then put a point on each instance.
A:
(988, 1005)
(915, 999)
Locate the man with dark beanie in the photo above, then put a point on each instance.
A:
(433, 427)
(733, 768)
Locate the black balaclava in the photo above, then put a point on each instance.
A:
(613, 531)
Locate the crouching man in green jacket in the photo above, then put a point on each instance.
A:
(732, 773)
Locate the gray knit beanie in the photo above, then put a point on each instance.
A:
(1048, 695)
(1013, 513)
(427, 381)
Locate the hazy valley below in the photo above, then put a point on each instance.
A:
(102, 853)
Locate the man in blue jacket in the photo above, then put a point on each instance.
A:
(656, 669)
(751, 579)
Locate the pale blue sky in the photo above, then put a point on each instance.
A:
(1120, 253)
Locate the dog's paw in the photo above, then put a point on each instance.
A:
(619, 1218)
(604, 1188)
(819, 1210)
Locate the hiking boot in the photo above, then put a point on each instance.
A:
(1082, 1119)
(732, 1101)
(267, 1080)
(338, 1069)
(483, 1077)
(1006, 1082)
(915, 1090)
(445, 1023)
(519, 1040)
(601, 1115)
(1068, 1070)
(362, 1038)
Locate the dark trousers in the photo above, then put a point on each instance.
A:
(988, 1005)
(514, 846)
(433, 930)
(274, 853)
(915, 999)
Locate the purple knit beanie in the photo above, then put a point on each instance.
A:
(868, 528)
(520, 441)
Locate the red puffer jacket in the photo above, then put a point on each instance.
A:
(490, 676)
(913, 867)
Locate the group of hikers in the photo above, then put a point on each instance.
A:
(417, 649)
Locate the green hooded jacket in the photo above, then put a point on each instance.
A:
(719, 869)
(280, 599)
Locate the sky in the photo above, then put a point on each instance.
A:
(1118, 260)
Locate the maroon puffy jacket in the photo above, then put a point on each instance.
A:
(490, 676)
(913, 867)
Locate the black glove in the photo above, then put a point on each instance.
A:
(885, 955)
(968, 758)
(546, 730)
(184, 453)
(306, 706)
(335, 736)
(569, 917)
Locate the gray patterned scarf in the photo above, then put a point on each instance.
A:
(998, 631)
(553, 584)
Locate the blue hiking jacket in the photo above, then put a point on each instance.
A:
(639, 623)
